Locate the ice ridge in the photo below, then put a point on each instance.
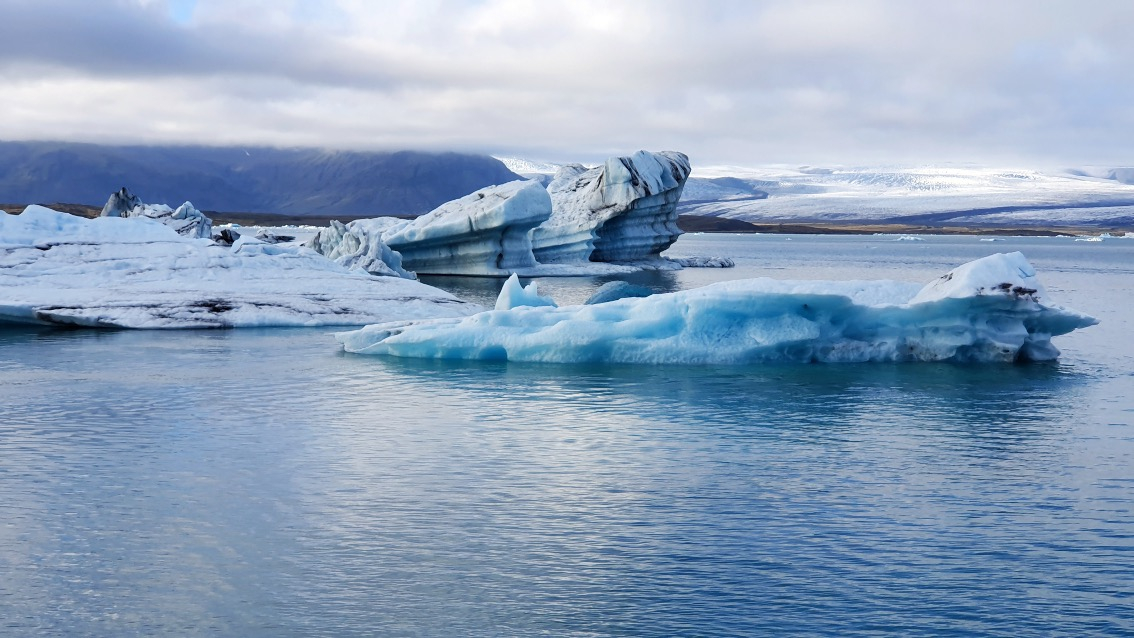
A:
(185, 219)
(359, 246)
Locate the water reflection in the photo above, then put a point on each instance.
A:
(1002, 402)
(565, 290)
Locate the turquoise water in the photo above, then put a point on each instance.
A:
(261, 482)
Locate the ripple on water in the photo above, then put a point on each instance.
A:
(262, 482)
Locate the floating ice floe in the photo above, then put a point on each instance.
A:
(989, 310)
(56, 268)
(622, 211)
(269, 237)
(186, 220)
(1099, 237)
(485, 233)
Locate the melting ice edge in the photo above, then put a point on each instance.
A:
(993, 309)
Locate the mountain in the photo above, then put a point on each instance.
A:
(264, 180)
(523, 166)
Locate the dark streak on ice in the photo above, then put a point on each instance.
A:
(214, 305)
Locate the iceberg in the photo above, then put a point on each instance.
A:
(989, 310)
(59, 269)
(484, 233)
(359, 246)
(612, 219)
(120, 204)
(269, 237)
(622, 211)
(185, 219)
(514, 295)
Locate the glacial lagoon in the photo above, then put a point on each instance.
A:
(262, 482)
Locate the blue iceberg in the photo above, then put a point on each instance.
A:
(990, 310)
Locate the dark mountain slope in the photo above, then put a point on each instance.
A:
(267, 180)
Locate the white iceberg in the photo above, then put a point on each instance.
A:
(60, 269)
(989, 310)
(186, 220)
(612, 219)
(359, 246)
(622, 211)
(484, 233)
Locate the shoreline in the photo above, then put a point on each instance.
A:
(698, 224)
(687, 223)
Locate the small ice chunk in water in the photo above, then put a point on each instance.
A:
(513, 295)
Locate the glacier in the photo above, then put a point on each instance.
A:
(968, 194)
(487, 232)
(622, 211)
(185, 219)
(59, 269)
(926, 195)
(989, 310)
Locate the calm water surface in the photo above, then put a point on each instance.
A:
(261, 482)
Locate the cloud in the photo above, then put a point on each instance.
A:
(745, 82)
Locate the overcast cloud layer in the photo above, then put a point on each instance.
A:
(745, 82)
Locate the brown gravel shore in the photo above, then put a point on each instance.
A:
(687, 223)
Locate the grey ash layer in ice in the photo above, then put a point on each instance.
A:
(617, 217)
(485, 233)
(185, 219)
(624, 210)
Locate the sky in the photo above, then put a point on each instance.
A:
(747, 82)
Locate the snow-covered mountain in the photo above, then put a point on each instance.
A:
(1094, 196)
(522, 166)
